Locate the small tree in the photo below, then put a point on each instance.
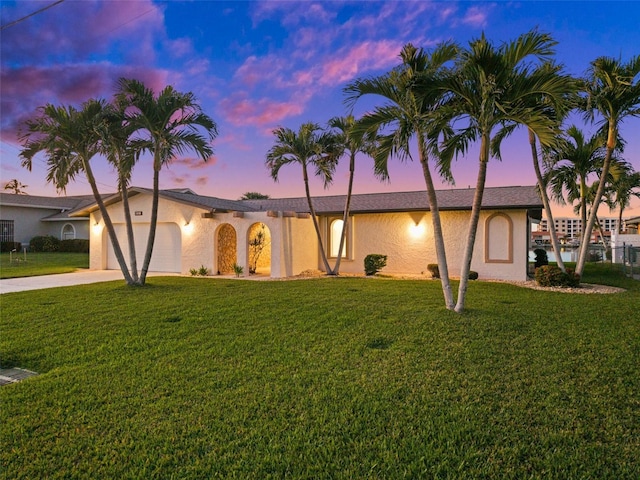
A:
(257, 245)
(374, 262)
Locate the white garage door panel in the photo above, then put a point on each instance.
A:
(166, 248)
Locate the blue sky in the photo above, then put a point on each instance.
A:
(257, 65)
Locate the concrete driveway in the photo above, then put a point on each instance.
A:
(81, 277)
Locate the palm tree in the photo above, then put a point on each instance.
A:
(307, 147)
(407, 115)
(16, 186)
(115, 135)
(613, 93)
(350, 141)
(69, 138)
(490, 93)
(569, 165)
(625, 186)
(167, 124)
(254, 196)
(556, 110)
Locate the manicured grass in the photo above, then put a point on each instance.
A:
(41, 264)
(323, 378)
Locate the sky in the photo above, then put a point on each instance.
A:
(255, 66)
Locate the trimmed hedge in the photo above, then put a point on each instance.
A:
(541, 257)
(44, 243)
(78, 245)
(552, 276)
(374, 262)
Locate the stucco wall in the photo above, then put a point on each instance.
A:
(407, 240)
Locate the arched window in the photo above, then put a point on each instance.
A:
(68, 232)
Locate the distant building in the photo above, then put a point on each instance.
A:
(569, 228)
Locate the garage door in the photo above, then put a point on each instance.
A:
(166, 248)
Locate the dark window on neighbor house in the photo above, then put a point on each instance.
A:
(6, 230)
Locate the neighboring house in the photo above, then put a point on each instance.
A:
(195, 230)
(23, 217)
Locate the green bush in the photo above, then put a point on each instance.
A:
(433, 270)
(374, 262)
(552, 276)
(541, 257)
(10, 246)
(44, 243)
(78, 245)
(473, 275)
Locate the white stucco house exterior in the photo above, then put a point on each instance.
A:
(195, 230)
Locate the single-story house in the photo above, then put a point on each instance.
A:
(23, 217)
(195, 230)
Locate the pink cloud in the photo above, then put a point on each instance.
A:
(194, 163)
(350, 62)
(202, 181)
(262, 112)
(475, 17)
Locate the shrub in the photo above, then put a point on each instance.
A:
(374, 262)
(238, 269)
(44, 243)
(433, 270)
(203, 271)
(10, 246)
(473, 275)
(541, 257)
(193, 271)
(552, 276)
(77, 245)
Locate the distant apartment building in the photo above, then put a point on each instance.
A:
(571, 227)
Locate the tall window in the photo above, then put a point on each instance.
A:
(335, 232)
(6, 230)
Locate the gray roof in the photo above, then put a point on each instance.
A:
(61, 207)
(453, 199)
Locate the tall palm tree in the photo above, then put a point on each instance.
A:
(556, 108)
(613, 93)
(407, 114)
(354, 143)
(569, 165)
(166, 125)
(69, 139)
(307, 147)
(115, 135)
(489, 94)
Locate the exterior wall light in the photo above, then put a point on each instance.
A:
(187, 228)
(417, 230)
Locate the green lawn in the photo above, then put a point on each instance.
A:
(35, 264)
(323, 378)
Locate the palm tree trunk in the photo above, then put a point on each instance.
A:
(584, 247)
(545, 201)
(109, 224)
(315, 220)
(130, 238)
(438, 237)
(345, 217)
(152, 227)
(473, 223)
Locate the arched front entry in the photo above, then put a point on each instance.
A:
(227, 254)
(259, 249)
